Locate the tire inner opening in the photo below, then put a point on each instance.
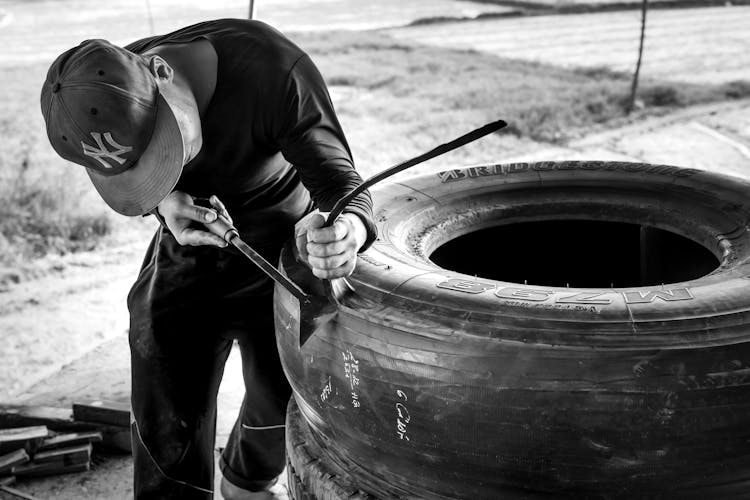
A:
(577, 253)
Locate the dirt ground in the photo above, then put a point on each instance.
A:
(713, 137)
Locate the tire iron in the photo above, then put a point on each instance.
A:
(317, 310)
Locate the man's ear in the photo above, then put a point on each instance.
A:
(160, 68)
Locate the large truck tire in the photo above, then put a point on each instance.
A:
(313, 473)
(538, 330)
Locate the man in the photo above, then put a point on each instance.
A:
(233, 113)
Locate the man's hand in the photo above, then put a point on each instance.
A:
(331, 252)
(180, 211)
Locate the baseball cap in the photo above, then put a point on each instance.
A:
(103, 110)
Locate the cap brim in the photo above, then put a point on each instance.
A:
(139, 189)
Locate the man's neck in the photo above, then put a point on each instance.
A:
(195, 65)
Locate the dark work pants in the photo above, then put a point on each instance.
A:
(186, 307)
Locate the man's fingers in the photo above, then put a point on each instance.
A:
(302, 233)
(330, 249)
(328, 263)
(335, 232)
(219, 206)
(196, 213)
(196, 237)
(339, 272)
(316, 221)
(301, 241)
(216, 202)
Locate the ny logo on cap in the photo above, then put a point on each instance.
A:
(102, 152)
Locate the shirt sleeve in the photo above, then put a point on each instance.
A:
(310, 138)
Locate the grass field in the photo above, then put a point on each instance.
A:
(395, 99)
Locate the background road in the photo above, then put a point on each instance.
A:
(706, 45)
(38, 30)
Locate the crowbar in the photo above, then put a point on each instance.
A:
(316, 310)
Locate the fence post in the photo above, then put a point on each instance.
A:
(634, 86)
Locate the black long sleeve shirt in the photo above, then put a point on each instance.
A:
(271, 138)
